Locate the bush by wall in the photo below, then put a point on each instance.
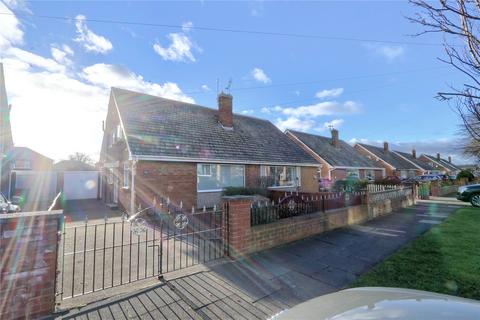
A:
(245, 191)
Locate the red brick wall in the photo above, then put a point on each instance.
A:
(252, 175)
(339, 174)
(309, 179)
(28, 252)
(178, 181)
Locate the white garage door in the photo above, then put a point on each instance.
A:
(80, 185)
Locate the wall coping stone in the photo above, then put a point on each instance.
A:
(30, 214)
(238, 198)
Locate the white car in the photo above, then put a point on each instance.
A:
(384, 303)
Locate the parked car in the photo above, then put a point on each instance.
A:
(470, 193)
(429, 177)
(384, 303)
(6, 206)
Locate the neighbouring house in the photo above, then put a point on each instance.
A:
(337, 159)
(394, 163)
(441, 165)
(423, 167)
(190, 153)
(72, 165)
(6, 140)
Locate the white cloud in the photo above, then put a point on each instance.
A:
(16, 4)
(90, 40)
(10, 31)
(295, 123)
(31, 59)
(323, 109)
(260, 75)
(205, 87)
(57, 113)
(180, 48)
(269, 110)
(249, 111)
(61, 55)
(107, 75)
(187, 26)
(390, 53)
(329, 93)
(335, 123)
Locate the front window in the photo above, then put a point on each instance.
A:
(282, 176)
(370, 174)
(215, 177)
(21, 164)
(353, 173)
(126, 175)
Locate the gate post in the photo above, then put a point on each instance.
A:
(237, 210)
(28, 254)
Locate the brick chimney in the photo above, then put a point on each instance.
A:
(449, 159)
(438, 156)
(414, 153)
(335, 141)
(225, 113)
(385, 147)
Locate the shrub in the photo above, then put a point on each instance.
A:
(349, 185)
(391, 180)
(245, 191)
(466, 174)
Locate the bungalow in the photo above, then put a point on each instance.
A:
(394, 164)
(423, 167)
(190, 153)
(441, 165)
(338, 160)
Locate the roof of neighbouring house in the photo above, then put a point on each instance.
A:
(422, 164)
(389, 157)
(166, 129)
(444, 163)
(342, 156)
(72, 165)
(25, 153)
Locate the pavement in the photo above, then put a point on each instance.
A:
(268, 282)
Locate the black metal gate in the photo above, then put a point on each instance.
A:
(98, 256)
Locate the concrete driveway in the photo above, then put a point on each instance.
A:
(265, 283)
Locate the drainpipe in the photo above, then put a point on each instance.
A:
(132, 187)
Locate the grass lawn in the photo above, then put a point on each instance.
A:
(446, 259)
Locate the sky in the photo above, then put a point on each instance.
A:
(350, 65)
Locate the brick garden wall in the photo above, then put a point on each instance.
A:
(28, 253)
(246, 239)
(270, 235)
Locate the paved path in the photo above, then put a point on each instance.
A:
(277, 279)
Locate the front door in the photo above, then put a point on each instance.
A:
(115, 190)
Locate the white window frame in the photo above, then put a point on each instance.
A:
(205, 175)
(126, 175)
(298, 183)
(356, 170)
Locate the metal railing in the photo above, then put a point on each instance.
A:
(105, 255)
(296, 204)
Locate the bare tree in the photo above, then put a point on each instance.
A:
(458, 21)
(81, 157)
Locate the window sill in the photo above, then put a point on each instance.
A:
(125, 188)
(209, 191)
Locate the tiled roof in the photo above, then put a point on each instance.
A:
(158, 127)
(342, 156)
(422, 164)
(389, 157)
(444, 163)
